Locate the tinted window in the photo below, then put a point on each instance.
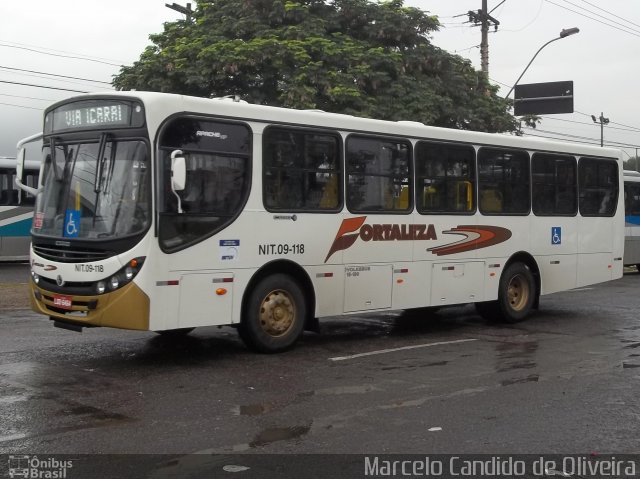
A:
(554, 185)
(503, 181)
(632, 199)
(445, 178)
(379, 177)
(598, 183)
(217, 182)
(301, 170)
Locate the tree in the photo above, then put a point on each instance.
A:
(632, 163)
(344, 56)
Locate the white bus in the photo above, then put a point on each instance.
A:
(165, 212)
(16, 210)
(632, 218)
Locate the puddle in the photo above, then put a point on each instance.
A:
(630, 365)
(529, 379)
(515, 355)
(415, 366)
(252, 409)
(12, 399)
(347, 390)
(275, 434)
(516, 365)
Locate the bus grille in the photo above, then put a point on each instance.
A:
(71, 255)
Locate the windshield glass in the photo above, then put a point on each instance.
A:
(99, 189)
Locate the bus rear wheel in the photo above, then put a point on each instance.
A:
(516, 296)
(274, 315)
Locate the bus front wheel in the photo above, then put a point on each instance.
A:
(516, 296)
(274, 314)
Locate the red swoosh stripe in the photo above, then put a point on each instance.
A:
(488, 236)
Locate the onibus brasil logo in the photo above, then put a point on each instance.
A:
(473, 237)
(32, 467)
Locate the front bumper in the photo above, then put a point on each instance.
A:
(125, 308)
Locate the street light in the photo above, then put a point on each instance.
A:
(564, 33)
(603, 121)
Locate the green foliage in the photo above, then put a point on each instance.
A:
(345, 56)
(632, 163)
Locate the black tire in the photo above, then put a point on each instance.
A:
(517, 293)
(175, 333)
(274, 315)
(516, 296)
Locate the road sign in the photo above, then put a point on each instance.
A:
(543, 98)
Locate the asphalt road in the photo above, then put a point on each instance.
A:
(565, 381)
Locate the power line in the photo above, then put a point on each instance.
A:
(609, 13)
(2, 44)
(598, 15)
(59, 51)
(27, 97)
(577, 138)
(635, 34)
(21, 106)
(44, 77)
(55, 75)
(42, 86)
(629, 128)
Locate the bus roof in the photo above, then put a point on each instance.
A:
(161, 105)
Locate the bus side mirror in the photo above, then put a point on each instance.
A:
(178, 175)
(178, 171)
(19, 172)
(20, 164)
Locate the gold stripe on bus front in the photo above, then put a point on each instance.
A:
(126, 308)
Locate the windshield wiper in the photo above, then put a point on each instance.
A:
(52, 158)
(97, 182)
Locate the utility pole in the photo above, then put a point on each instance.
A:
(481, 17)
(179, 8)
(603, 121)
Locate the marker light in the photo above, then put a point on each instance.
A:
(221, 291)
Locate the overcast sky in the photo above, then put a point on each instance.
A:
(602, 60)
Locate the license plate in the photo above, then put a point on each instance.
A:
(61, 301)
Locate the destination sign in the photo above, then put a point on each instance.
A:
(94, 114)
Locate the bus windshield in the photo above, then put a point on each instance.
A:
(98, 189)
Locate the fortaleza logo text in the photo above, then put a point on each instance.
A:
(474, 237)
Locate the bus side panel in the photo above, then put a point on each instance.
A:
(411, 285)
(555, 244)
(595, 250)
(455, 283)
(328, 285)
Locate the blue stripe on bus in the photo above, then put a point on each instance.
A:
(19, 228)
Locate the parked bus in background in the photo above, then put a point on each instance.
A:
(16, 209)
(165, 212)
(632, 218)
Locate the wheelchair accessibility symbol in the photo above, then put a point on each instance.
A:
(556, 235)
(71, 224)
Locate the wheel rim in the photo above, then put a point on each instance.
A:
(518, 292)
(277, 313)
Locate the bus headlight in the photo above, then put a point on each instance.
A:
(121, 277)
(36, 278)
(128, 273)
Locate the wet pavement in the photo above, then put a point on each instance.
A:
(567, 380)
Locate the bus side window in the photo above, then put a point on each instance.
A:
(27, 199)
(446, 174)
(301, 170)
